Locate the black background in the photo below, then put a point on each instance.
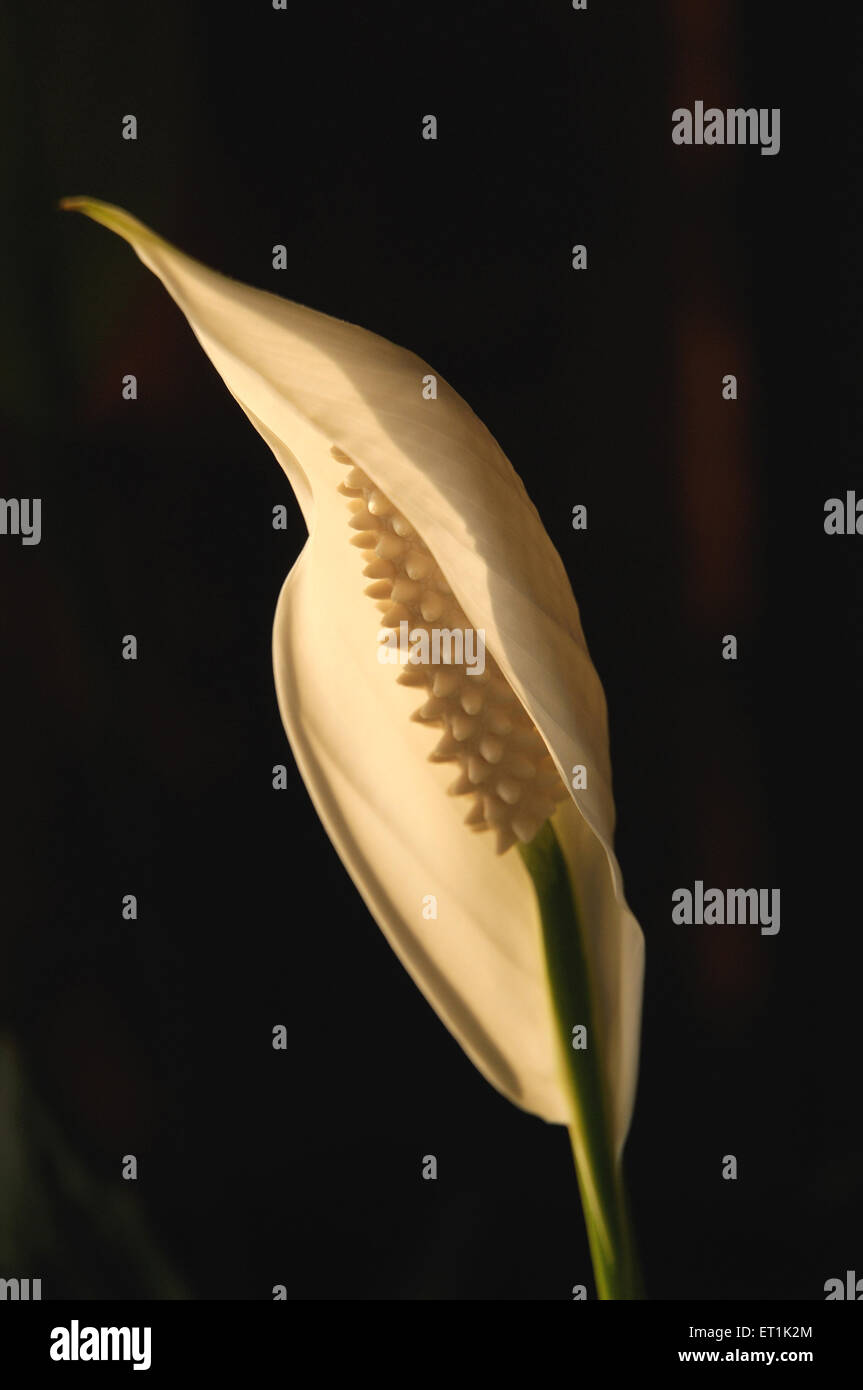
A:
(302, 127)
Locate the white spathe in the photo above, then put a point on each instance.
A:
(310, 383)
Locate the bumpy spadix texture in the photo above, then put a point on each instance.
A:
(321, 391)
(506, 768)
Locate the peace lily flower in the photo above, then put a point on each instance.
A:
(411, 504)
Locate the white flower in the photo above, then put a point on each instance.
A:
(452, 541)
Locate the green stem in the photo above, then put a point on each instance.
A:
(600, 1177)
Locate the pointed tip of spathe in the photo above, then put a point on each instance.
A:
(92, 207)
(114, 218)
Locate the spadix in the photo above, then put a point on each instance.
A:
(504, 764)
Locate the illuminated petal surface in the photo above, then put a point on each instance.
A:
(326, 396)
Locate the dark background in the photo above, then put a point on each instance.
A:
(302, 1167)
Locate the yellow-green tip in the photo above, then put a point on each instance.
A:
(114, 218)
